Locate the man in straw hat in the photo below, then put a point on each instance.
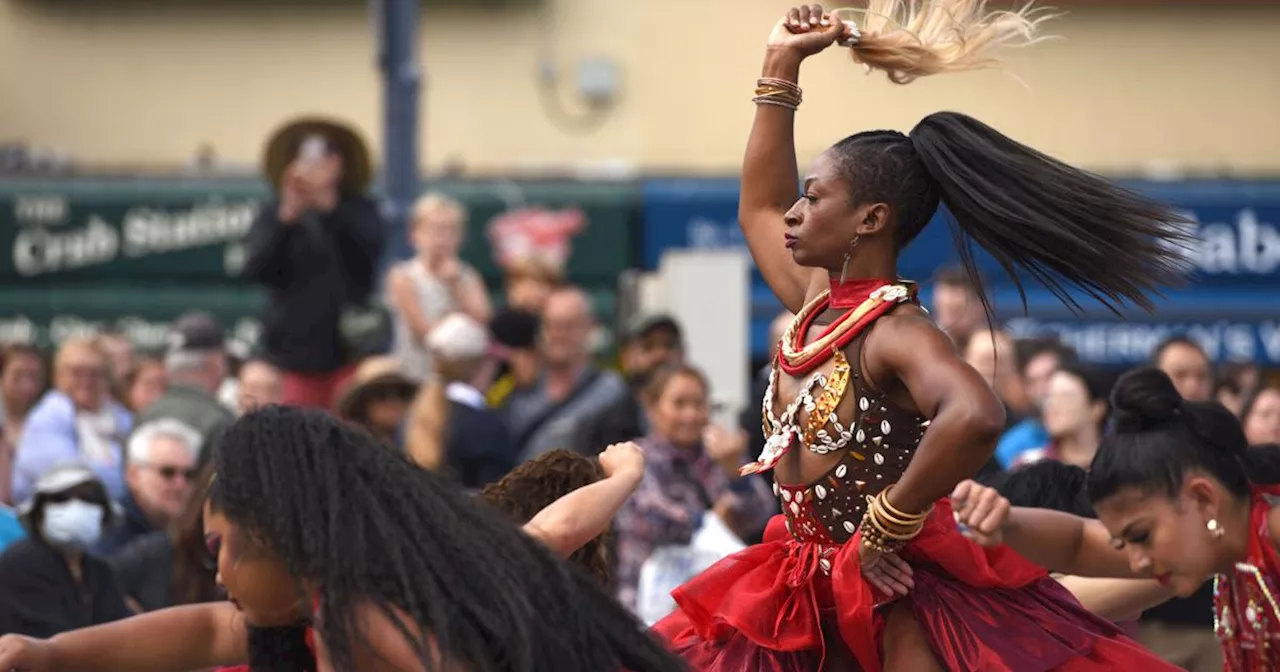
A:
(315, 248)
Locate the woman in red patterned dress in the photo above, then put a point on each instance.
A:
(1180, 497)
(871, 416)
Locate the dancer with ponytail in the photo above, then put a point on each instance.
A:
(871, 416)
(1181, 498)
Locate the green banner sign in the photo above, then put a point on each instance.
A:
(46, 316)
(62, 230)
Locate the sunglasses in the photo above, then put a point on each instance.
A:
(74, 493)
(170, 473)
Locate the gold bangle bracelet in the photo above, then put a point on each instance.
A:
(876, 505)
(898, 535)
(780, 83)
(776, 103)
(884, 497)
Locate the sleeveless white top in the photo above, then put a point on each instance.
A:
(435, 301)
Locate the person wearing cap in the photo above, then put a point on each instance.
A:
(378, 397)
(315, 248)
(196, 364)
(649, 342)
(451, 427)
(76, 421)
(49, 583)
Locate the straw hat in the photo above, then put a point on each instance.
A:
(372, 376)
(283, 146)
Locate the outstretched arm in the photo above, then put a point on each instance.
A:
(1059, 542)
(192, 637)
(568, 523)
(770, 180)
(1116, 599)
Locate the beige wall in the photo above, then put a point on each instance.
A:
(127, 81)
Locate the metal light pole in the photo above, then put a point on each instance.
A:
(396, 25)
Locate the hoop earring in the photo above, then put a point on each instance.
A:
(848, 254)
(1215, 530)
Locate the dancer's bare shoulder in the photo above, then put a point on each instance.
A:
(918, 366)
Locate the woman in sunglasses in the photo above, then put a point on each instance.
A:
(48, 583)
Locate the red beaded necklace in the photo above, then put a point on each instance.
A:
(864, 301)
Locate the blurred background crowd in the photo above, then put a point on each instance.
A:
(198, 223)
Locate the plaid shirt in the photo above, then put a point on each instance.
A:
(679, 486)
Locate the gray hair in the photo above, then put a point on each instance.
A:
(139, 446)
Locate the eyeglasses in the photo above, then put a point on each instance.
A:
(74, 493)
(169, 473)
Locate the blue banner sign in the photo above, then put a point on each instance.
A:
(1236, 263)
(1238, 223)
(1128, 343)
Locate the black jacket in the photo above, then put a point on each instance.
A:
(478, 446)
(39, 598)
(311, 269)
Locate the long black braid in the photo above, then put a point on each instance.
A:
(364, 525)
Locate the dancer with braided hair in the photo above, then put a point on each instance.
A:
(871, 415)
(340, 554)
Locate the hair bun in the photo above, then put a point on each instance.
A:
(1144, 399)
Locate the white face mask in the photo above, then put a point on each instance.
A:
(74, 524)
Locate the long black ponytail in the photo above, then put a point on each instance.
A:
(1064, 226)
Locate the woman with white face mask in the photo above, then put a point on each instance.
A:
(48, 582)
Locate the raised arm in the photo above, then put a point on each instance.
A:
(568, 523)
(177, 639)
(770, 180)
(1059, 542)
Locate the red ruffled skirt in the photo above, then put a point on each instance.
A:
(772, 608)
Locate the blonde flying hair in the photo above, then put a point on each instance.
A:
(908, 39)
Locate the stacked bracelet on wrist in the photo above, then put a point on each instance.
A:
(885, 528)
(778, 92)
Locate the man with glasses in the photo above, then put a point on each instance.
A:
(161, 459)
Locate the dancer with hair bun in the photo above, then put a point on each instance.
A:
(1181, 498)
(872, 417)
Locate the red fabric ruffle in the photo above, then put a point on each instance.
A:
(771, 608)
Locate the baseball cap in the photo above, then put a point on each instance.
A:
(644, 324)
(197, 331)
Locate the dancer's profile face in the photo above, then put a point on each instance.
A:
(822, 224)
(256, 581)
(1169, 537)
